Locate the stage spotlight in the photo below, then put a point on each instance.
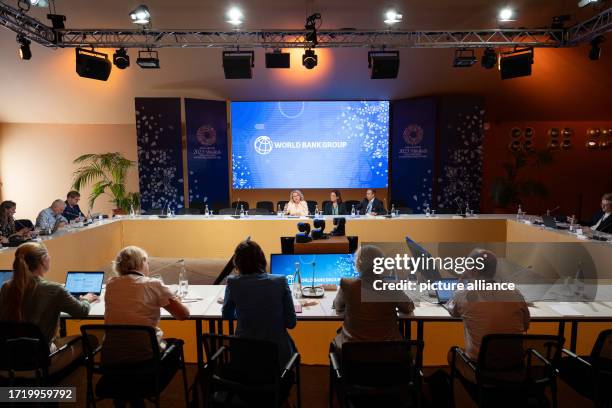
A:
(93, 65)
(25, 53)
(57, 21)
(464, 58)
(148, 59)
(304, 235)
(506, 14)
(383, 64)
(392, 17)
(310, 59)
(558, 22)
(238, 64)
(584, 3)
(595, 51)
(234, 16)
(121, 59)
(141, 15)
(318, 232)
(39, 3)
(489, 58)
(311, 27)
(278, 59)
(516, 63)
(340, 223)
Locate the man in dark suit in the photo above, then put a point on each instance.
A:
(603, 222)
(372, 205)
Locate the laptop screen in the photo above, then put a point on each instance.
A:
(444, 295)
(417, 251)
(84, 282)
(327, 268)
(5, 276)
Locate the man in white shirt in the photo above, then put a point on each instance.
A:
(604, 223)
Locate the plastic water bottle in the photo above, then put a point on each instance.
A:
(519, 213)
(467, 209)
(316, 212)
(579, 282)
(206, 211)
(183, 288)
(393, 210)
(132, 212)
(353, 213)
(241, 210)
(297, 281)
(427, 211)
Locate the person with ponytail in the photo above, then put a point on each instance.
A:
(28, 297)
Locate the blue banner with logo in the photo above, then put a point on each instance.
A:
(413, 141)
(160, 155)
(207, 154)
(460, 164)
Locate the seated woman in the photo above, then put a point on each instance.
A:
(336, 207)
(373, 320)
(296, 206)
(134, 298)
(261, 303)
(7, 223)
(28, 297)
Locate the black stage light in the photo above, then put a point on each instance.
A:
(121, 59)
(148, 59)
(464, 58)
(595, 51)
(340, 223)
(25, 53)
(311, 26)
(558, 22)
(516, 63)
(57, 21)
(304, 235)
(318, 232)
(238, 64)
(383, 64)
(310, 59)
(92, 64)
(278, 59)
(489, 58)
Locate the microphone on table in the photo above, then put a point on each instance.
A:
(237, 204)
(548, 212)
(167, 265)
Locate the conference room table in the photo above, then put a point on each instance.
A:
(205, 303)
(191, 236)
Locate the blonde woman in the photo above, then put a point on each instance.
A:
(132, 297)
(296, 206)
(28, 297)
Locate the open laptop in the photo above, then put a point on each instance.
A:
(417, 251)
(44, 231)
(550, 222)
(5, 275)
(445, 295)
(79, 283)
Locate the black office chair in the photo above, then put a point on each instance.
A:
(377, 374)
(512, 370)
(129, 363)
(229, 211)
(282, 204)
(591, 375)
(245, 372)
(153, 211)
(267, 205)
(237, 204)
(189, 211)
(324, 203)
(349, 205)
(259, 211)
(25, 357)
(312, 205)
(404, 210)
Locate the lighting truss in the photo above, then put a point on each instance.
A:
(16, 20)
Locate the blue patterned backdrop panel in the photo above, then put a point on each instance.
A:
(160, 156)
(413, 141)
(207, 154)
(460, 165)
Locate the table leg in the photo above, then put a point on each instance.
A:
(220, 326)
(574, 336)
(561, 331)
(420, 329)
(199, 344)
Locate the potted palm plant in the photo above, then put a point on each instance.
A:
(106, 173)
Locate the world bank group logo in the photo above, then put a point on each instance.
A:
(206, 135)
(263, 145)
(413, 134)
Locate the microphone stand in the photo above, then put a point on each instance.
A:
(313, 291)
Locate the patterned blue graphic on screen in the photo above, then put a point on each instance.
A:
(328, 268)
(342, 144)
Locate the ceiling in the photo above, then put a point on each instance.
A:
(46, 89)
